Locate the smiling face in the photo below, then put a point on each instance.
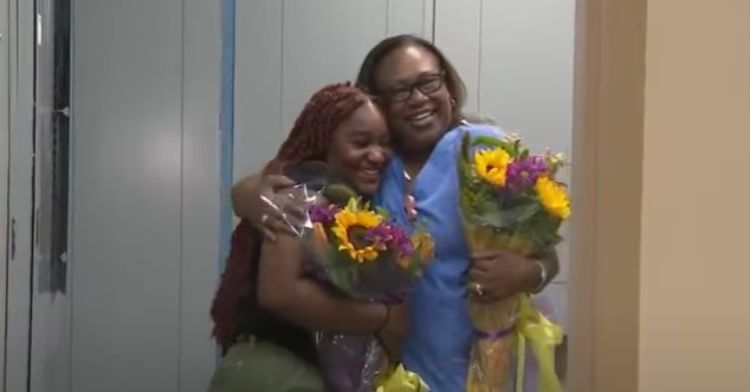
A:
(416, 100)
(360, 149)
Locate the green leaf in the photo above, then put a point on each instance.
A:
(339, 194)
(465, 141)
(522, 212)
(489, 141)
(542, 229)
(495, 219)
(383, 212)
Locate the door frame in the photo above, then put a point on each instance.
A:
(607, 177)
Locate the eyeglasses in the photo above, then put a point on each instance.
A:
(426, 85)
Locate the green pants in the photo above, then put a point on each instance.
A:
(264, 367)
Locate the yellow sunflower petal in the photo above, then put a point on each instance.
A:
(553, 197)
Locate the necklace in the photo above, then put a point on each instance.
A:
(410, 204)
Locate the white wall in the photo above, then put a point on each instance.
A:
(144, 193)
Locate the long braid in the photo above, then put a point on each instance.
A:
(308, 140)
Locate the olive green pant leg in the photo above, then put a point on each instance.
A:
(261, 367)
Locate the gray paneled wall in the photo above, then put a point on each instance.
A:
(145, 193)
(287, 49)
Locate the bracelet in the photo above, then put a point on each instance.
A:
(387, 319)
(542, 277)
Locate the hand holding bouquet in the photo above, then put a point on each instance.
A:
(510, 200)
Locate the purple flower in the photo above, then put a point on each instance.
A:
(522, 175)
(392, 237)
(324, 214)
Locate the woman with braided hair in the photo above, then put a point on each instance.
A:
(266, 306)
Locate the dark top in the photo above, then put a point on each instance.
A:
(266, 326)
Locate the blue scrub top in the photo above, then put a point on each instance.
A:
(440, 335)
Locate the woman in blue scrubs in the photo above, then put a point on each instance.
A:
(422, 95)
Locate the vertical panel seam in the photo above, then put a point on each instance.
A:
(226, 130)
(387, 18)
(71, 193)
(181, 252)
(7, 125)
(12, 22)
(281, 65)
(33, 213)
(434, 20)
(226, 123)
(480, 57)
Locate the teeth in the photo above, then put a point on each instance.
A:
(422, 116)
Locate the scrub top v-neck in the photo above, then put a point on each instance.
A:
(440, 334)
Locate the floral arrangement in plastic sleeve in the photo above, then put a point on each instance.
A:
(510, 199)
(360, 252)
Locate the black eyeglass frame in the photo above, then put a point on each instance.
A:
(424, 84)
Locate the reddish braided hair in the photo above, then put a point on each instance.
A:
(312, 132)
(308, 140)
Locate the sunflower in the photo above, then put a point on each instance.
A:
(553, 196)
(352, 220)
(491, 165)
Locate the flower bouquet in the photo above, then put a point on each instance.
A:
(359, 252)
(510, 200)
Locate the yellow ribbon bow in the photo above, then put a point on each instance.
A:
(401, 380)
(543, 335)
